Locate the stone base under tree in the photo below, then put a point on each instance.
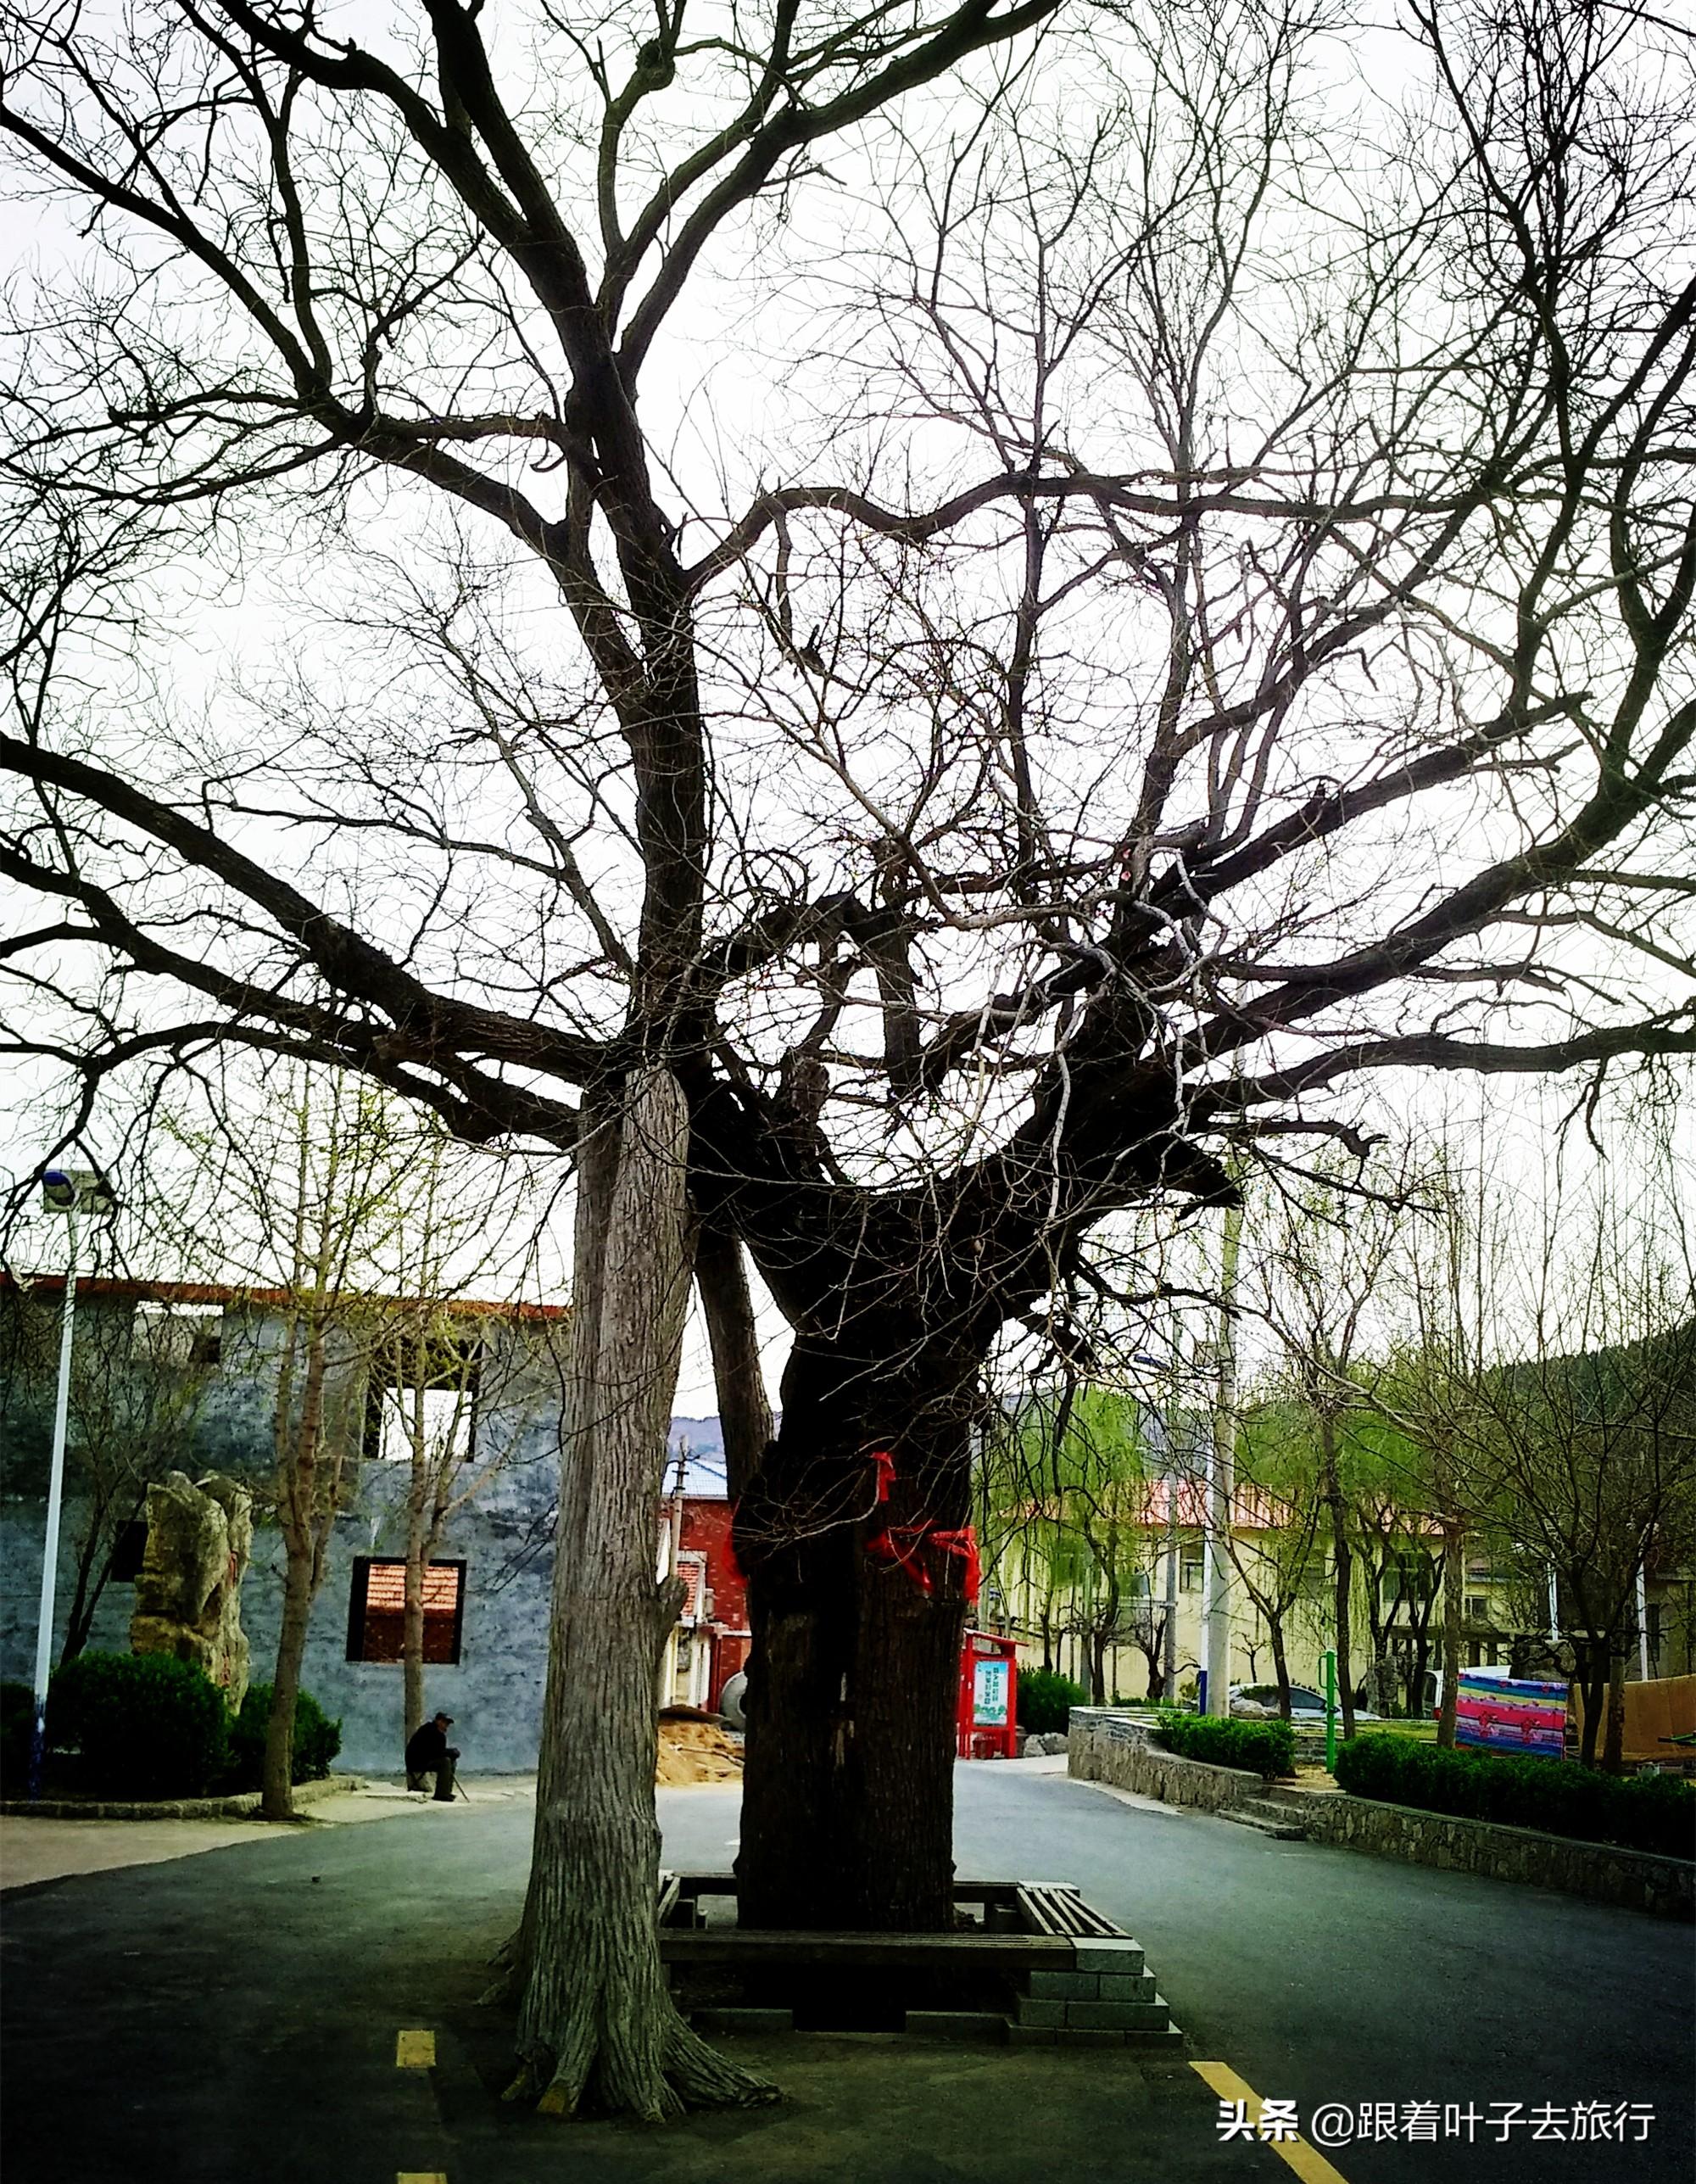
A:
(1003, 1974)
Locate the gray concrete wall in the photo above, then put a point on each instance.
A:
(503, 1534)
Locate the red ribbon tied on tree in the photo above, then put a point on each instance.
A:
(884, 1464)
(886, 1546)
(964, 1544)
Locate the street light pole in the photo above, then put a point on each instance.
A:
(80, 1190)
(38, 1737)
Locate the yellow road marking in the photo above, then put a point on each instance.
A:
(415, 2051)
(420, 2176)
(1309, 2163)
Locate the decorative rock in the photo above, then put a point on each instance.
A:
(188, 1594)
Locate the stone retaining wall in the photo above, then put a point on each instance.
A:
(1109, 1747)
(1602, 1873)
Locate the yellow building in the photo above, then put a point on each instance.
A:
(1099, 1613)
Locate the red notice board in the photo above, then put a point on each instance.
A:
(988, 1717)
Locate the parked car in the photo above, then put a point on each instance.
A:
(1257, 1700)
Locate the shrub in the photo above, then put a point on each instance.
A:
(1045, 1699)
(17, 1725)
(317, 1740)
(1645, 1813)
(1260, 1748)
(140, 1724)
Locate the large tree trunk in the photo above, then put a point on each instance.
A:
(847, 1802)
(596, 2025)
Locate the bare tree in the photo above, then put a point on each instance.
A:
(450, 1390)
(1220, 627)
(1273, 1514)
(1553, 1388)
(298, 1177)
(139, 1375)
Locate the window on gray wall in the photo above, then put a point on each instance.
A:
(377, 1610)
(432, 1386)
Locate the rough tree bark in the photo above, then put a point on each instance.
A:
(853, 1672)
(596, 2025)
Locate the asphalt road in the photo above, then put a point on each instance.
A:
(231, 2017)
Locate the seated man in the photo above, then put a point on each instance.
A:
(428, 1752)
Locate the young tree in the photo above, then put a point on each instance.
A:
(1553, 1393)
(1219, 633)
(1274, 1515)
(1323, 1249)
(303, 1182)
(448, 1393)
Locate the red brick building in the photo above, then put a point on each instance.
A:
(713, 1637)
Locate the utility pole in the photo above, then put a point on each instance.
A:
(674, 1551)
(1220, 1470)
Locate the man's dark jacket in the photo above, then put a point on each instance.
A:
(426, 1750)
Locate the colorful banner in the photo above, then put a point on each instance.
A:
(1497, 1714)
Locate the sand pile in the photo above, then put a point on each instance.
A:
(696, 1748)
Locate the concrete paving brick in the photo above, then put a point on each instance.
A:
(1123, 1958)
(1116, 2016)
(1066, 1986)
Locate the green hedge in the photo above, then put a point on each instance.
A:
(138, 1725)
(17, 1725)
(1642, 1812)
(317, 1740)
(1046, 1700)
(1260, 1748)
